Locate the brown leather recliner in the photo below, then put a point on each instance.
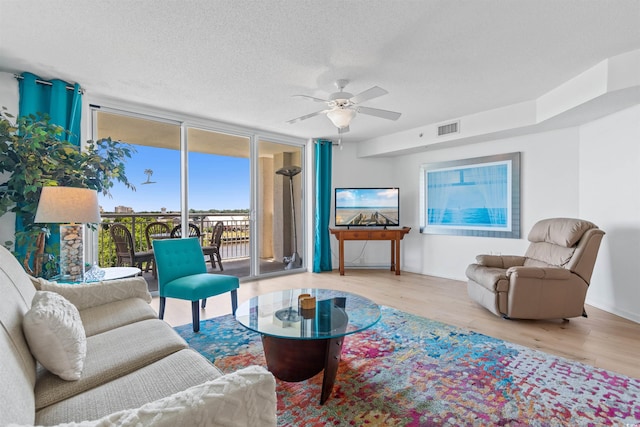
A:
(550, 281)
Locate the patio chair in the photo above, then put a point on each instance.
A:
(213, 250)
(194, 231)
(156, 230)
(182, 274)
(126, 254)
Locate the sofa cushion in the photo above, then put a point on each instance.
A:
(243, 398)
(111, 355)
(187, 368)
(105, 317)
(105, 305)
(39, 281)
(55, 335)
(87, 295)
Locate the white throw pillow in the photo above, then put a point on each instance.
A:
(55, 335)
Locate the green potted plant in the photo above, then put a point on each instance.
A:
(34, 153)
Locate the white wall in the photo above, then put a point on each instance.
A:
(588, 172)
(610, 197)
(8, 98)
(350, 171)
(549, 187)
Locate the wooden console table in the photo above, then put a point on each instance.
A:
(395, 235)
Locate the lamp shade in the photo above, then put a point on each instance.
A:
(68, 205)
(341, 117)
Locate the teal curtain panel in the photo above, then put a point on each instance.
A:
(322, 246)
(63, 105)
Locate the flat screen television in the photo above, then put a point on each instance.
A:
(367, 207)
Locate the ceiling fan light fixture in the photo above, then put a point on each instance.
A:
(343, 106)
(341, 117)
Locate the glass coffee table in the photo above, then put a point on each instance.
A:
(303, 330)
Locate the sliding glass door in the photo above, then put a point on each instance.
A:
(152, 168)
(280, 206)
(185, 172)
(154, 171)
(220, 191)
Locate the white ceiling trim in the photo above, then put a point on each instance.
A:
(580, 99)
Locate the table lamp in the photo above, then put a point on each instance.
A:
(71, 208)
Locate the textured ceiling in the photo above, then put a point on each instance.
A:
(241, 61)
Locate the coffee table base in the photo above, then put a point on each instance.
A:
(295, 360)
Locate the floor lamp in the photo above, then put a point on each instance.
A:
(70, 207)
(294, 261)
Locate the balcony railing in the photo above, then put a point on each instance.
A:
(235, 238)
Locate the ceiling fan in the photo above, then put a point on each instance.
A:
(343, 106)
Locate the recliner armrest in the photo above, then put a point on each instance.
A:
(552, 273)
(500, 261)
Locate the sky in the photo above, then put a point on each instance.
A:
(367, 197)
(215, 182)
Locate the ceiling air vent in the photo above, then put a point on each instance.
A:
(449, 128)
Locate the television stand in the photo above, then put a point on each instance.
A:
(394, 236)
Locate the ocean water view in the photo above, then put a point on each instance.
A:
(480, 217)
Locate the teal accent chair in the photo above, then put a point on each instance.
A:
(182, 274)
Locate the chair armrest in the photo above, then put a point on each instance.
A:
(551, 273)
(246, 397)
(89, 295)
(500, 261)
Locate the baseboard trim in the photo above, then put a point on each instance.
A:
(634, 317)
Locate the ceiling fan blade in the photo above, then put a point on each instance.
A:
(385, 114)
(311, 98)
(368, 94)
(343, 130)
(299, 119)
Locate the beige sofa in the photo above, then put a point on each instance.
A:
(549, 282)
(136, 370)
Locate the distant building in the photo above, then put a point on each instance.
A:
(123, 209)
(231, 222)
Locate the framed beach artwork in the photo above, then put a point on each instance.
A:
(471, 197)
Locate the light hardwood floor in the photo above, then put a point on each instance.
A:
(601, 340)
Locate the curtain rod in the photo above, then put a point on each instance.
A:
(317, 141)
(44, 82)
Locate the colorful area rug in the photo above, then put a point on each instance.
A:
(412, 371)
